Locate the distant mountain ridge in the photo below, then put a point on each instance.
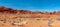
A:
(28, 13)
(10, 10)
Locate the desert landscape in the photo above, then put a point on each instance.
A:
(24, 18)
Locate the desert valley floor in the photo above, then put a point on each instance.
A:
(30, 22)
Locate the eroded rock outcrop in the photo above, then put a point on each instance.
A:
(29, 14)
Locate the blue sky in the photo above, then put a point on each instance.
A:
(33, 5)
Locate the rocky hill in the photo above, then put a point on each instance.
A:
(29, 14)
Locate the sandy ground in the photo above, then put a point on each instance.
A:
(34, 22)
(43, 23)
(55, 23)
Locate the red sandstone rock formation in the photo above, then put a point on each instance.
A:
(33, 14)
